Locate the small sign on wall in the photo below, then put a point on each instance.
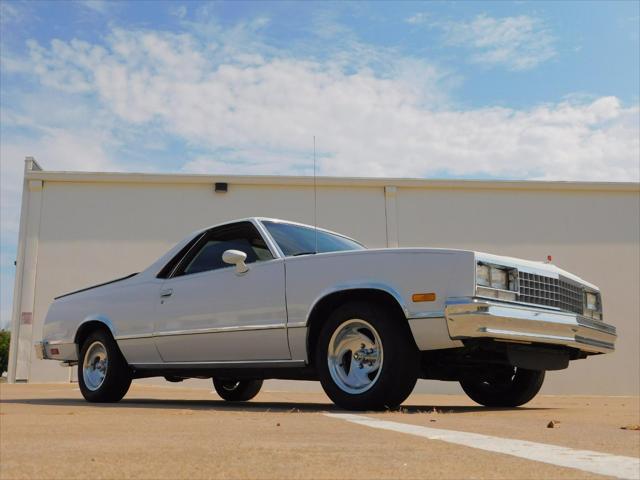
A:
(26, 318)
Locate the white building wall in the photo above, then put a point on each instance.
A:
(95, 227)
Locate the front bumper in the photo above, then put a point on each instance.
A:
(469, 318)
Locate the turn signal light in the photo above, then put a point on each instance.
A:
(424, 297)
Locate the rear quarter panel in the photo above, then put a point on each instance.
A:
(126, 308)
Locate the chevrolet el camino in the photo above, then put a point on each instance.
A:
(262, 298)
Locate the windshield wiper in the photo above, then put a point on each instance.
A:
(303, 253)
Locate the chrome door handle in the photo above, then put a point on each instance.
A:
(166, 293)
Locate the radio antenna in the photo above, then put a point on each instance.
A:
(315, 196)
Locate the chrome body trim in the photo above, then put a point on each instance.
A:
(229, 364)
(480, 318)
(133, 337)
(238, 328)
(297, 325)
(235, 328)
(419, 315)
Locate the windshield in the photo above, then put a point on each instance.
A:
(297, 240)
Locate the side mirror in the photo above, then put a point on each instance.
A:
(237, 258)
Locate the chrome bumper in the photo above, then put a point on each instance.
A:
(479, 318)
(62, 350)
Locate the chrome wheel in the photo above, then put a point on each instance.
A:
(94, 366)
(355, 356)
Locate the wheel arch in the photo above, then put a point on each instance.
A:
(89, 325)
(323, 307)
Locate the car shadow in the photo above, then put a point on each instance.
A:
(252, 406)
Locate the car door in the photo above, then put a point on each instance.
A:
(207, 312)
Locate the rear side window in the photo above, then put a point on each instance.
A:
(207, 254)
(296, 240)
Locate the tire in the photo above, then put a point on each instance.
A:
(102, 381)
(366, 357)
(237, 390)
(509, 387)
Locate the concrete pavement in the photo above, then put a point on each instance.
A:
(49, 431)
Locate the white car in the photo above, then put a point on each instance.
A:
(263, 298)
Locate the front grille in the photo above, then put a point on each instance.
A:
(552, 292)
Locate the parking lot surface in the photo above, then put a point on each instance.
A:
(49, 431)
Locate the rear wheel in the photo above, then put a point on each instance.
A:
(366, 357)
(103, 373)
(237, 390)
(504, 387)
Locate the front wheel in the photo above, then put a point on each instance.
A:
(237, 390)
(103, 373)
(366, 357)
(504, 387)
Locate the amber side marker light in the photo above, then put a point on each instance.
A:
(424, 297)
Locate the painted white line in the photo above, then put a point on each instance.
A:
(586, 460)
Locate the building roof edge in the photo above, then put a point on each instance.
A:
(192, 178)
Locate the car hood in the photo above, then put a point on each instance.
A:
(529, 266)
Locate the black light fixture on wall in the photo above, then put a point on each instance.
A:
(221, 187)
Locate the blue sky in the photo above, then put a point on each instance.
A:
(526, 90)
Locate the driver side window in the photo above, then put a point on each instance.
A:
(207, 254)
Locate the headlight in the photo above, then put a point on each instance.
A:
(499, 279)
(482, 275)
(591, 299)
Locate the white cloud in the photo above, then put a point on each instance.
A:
(418, 18)
(179, 11)
(98, 6)
(9, 13)
(518, 43)
(258, 111)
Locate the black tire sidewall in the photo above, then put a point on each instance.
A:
(524, 387)
(118, 378)
(400, 365)
(245, 391)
